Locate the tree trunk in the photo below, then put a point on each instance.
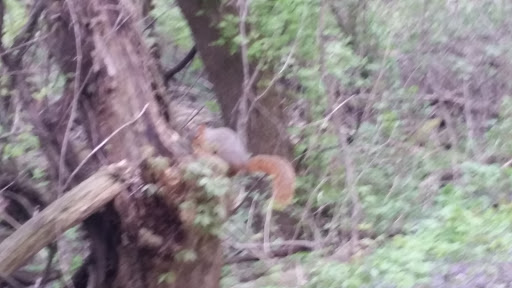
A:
(266, 127)
(123, 81)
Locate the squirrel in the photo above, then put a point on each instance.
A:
(225, 143)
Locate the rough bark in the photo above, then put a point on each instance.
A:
(123, 79)
(137, 240)
(266, 127)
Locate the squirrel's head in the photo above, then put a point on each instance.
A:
(195, 135)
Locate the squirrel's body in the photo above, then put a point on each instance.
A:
(226, 144)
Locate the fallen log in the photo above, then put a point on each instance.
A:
(66, 212)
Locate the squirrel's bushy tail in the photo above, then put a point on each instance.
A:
(282, 172)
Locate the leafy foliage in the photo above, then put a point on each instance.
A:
(209, 209)
(400, 148)
(14, 20)
(23, 143)
(459, 231)
(429, 78)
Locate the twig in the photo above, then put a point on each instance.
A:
(251, 216)
(244, 98)
(76, 92)
(22, 45)
(278, 74)
(8, 185)
(266, 228)
(48, 269)
(329, 116)
(9, 220)
(283, 68)
(17, 111)
(194, 114)
(12, 282)
(103, 144)
(279, 249)
(188, 90)
(246, 196)
(308, 206)
(244, 115)
(377, 81)
(244, 112)
(337, 122)
(506, 164)
(252, 245)
(21, 200)
(472, 145)
(182, 64)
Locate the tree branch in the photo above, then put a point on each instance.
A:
(183, 63)
(28, 278)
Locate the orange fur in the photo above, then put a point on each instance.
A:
(225, 143)
(283, 182)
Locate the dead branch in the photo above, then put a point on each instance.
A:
(278, 250)
(76, 93)
(28, 278)
(243, 115)
(66, 212)
(21, 186)
(97, 148)
(53, 249)
(183, 63)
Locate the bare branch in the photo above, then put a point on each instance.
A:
(182, 64)
(278, 250)
(103, 144)
(18, 185)
(76, 89)
(243, 115)
(48, 269)
(28, 278)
